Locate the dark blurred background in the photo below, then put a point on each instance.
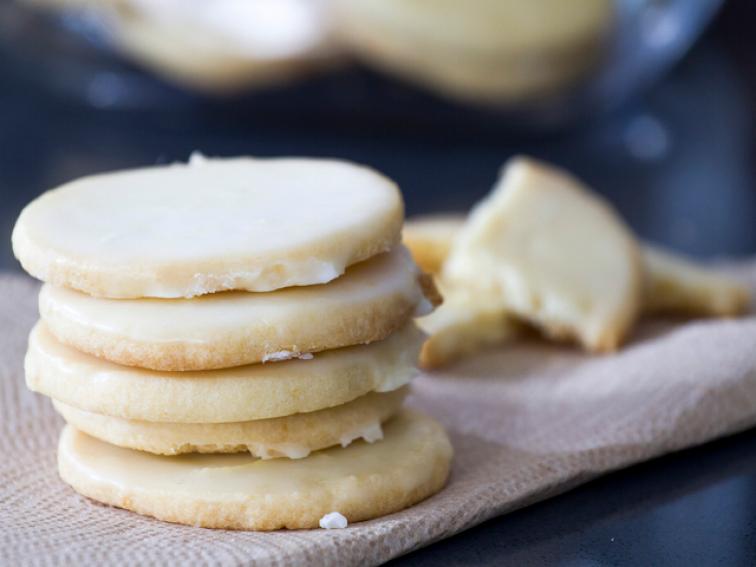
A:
(676, 153)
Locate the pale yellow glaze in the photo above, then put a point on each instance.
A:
(238, 491)
(373, 299)
(293, 436)
(222, 224)
(255, 391)
(543, 247)
(673, 284)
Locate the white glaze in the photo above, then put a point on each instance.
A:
(255, 391)
(182, 230)
(202, 320)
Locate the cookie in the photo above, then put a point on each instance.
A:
(373, 299)
(294, 436)
(491, 51)
(430, 239)
(462, 326)
(244, 393)
(675, 285)
(546, 249)
(184, 230)
(223, 47)
(237, 491)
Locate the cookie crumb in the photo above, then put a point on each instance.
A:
(286, 355)
(334, 520)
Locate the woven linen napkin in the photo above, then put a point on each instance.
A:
(527, 422)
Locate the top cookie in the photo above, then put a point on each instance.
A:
(184, 230)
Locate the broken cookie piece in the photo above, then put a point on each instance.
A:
(675, 285)
(543, 247)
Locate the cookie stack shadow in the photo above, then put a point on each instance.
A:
(199, 396)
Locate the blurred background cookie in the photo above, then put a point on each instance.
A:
(493, 51)
(216, 47)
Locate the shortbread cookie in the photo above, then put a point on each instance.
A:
(224, 46)
(294, 436)
(676, 285)
(220, 224)
(546, 249)
(373, 299)
(673, 284)
(485, 50)
(237, 491)
(255, 391)
(219, 47)
(430, 239)
(462, 326)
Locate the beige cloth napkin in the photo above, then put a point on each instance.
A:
(526, 422)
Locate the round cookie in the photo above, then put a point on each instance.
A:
(373, 299)
(244, 393)
(184, 230)
(237, 491)
(222, 47)
(216, 47)
(490, 51)
(294, 436)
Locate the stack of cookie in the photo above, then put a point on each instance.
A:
(230, 342)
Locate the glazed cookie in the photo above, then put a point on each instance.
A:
(244, 393)
(373, 299)
(184, 230)
(294, 436)
(673, 283)
(677, 285)
(462, 326)
(430, 239)
(226, 46)
(219, 47)
(546, 249)
(237, 491)
(494, 51)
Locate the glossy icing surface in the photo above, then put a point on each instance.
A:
(184, 230)
(255, 391)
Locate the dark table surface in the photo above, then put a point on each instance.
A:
(679, 164)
